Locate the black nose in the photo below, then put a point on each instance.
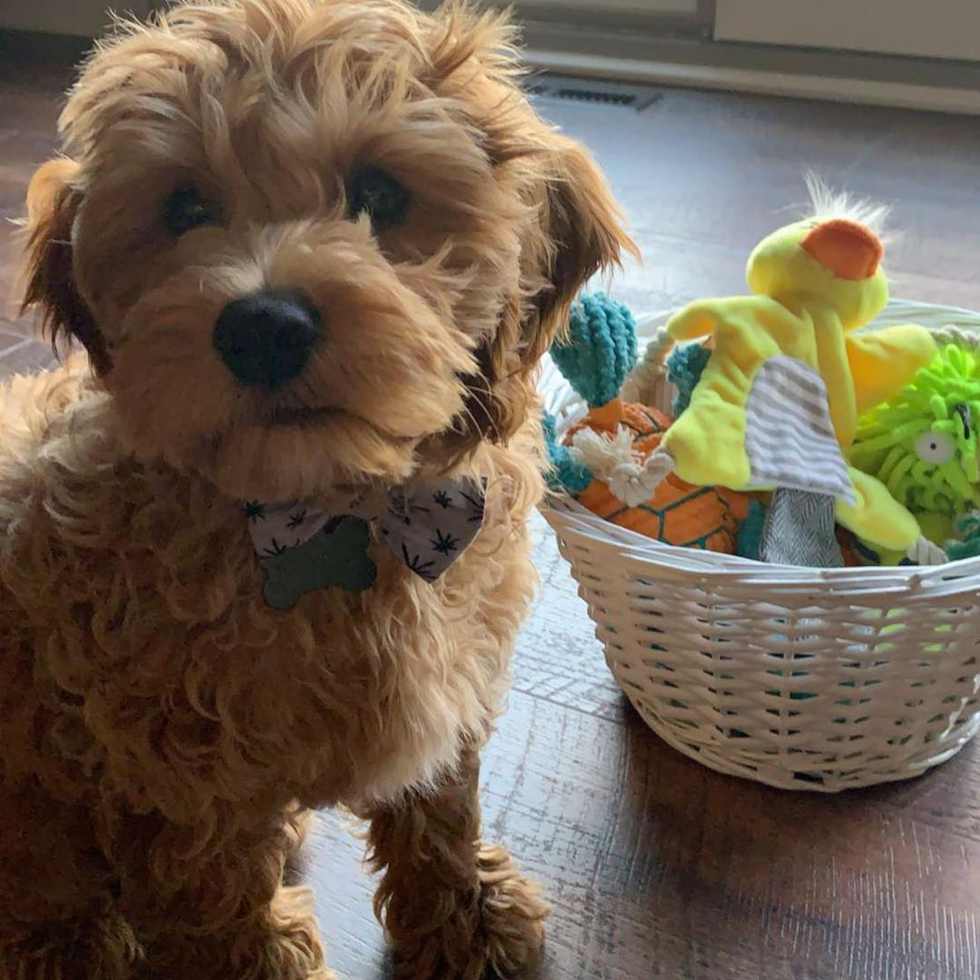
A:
(266, 339)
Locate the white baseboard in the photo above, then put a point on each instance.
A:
(896, 82)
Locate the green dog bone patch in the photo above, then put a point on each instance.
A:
(335, 556)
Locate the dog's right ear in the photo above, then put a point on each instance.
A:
(52, 205)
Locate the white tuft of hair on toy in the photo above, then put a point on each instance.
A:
(827, 203)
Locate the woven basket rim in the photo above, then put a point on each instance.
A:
(929, 580)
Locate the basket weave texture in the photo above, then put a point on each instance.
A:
(815, 679)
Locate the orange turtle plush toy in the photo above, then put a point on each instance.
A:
(601, 460)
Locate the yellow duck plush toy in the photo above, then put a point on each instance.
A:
(779, 401)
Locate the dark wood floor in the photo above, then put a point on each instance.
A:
(657, 867)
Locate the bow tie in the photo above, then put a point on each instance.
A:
(304, 545)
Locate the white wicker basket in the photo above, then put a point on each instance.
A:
(818, 679)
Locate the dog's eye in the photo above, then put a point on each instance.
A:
(379, 195)
(187, 209)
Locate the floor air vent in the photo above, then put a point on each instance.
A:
(617, 95)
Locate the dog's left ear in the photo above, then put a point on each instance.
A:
(583, 228)
(52, 205)
(580, 233)
(577, 230)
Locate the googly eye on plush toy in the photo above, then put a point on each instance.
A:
(935, 447)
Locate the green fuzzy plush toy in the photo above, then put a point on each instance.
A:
(924, 444)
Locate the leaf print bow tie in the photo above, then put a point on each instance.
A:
(303, 546)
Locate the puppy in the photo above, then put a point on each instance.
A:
(313, 251)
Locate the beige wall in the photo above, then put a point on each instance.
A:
(607, 7)
(82, 17)
(88, 17)
(929, 28)
(600, 11)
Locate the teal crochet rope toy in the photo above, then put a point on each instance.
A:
(685, 365)
(748, 543)
(968, 545)
(600, 349)
(595, 357)
(923, 444)
(565, 473)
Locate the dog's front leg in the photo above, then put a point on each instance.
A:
(208, 901)
(454, 907)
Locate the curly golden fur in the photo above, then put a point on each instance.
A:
(164, 733)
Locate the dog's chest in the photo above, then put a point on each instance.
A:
(148, 610)
(398, 678)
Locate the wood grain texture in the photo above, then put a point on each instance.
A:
(657, 867)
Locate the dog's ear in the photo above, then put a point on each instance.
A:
(52, 205)
(584, 234)
(579, 233)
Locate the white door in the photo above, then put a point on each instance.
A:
(927, 28)
(86, 18)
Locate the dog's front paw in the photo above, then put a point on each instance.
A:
(496, 931)
(101, 948)
(292, 949)
(281, 944)
(512, 914)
